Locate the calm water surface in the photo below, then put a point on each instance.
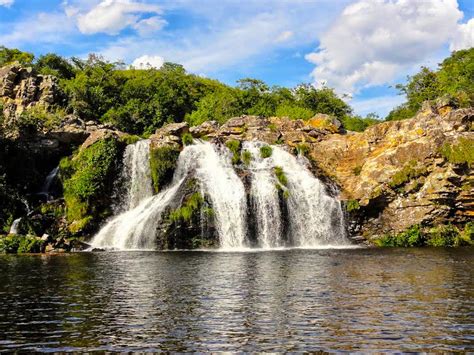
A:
(293, 300)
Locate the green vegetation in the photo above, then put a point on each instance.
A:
(461, 152)
(187, 139)
(129, 139)
(13, 244)
(302, 149)
(9, 56)
(440, 236)
(162, 164)
(280, 175)
(234, 146)
(359, 124)
(266, 151)
(188, 209)
(409, 172)
(453, 81)
(352, 205)
(87, 177)
(246, 157)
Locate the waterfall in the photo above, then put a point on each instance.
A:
(46, 188)
(136, 161)
(15, 227)
(264, 198)
(211, 165)
(316, 218)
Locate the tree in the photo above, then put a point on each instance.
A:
(8, 56)
(53, 64)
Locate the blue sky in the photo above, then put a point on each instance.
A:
(361, 48)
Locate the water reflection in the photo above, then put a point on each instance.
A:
(289, 300)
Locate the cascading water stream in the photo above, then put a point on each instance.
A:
(137, 172)
(137, 228)
(48, 182)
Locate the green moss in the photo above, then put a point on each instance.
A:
(87, 179)
(234, 146)
(13, 244)
(459, 153)
(280, 175)
(352, 205)
(266, 151)
(357, 170)
(188, 209)
(302, 149)
(408, 172)
(187, 139)
(162, 165)
(246, 157)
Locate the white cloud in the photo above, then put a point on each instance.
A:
(382, 105)
(6, 3)
(149, 26)
(112, 16)
(465, 37)
(284, 36)
(147, 62)
(373, 40)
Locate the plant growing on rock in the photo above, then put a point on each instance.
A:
(162, 165)
(246, 157)
(352, 205)
(408, 172)
(461, 152)
(266, 151)
(302, 149)
(234, 146)
(280, 175)
(187, 139)
(188, 209)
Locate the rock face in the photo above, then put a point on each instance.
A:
(22, 88)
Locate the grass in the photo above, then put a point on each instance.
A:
(280, 175)
(266, 151)
(246, 157)
(352, 205)
(302, 149)
(461, 152)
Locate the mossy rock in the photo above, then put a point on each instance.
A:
(163, 162)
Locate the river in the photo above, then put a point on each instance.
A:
(282, 300)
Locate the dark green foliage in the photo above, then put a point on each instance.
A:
(188, 209)
(409, 172)
(20, 244)
(187, 139)
(440, 236)
(234, 146)
(87, 181)
(266, 151)
(352, 205)
(52, 64)
(8, 56)
(359, 124)
(246, 157)
(280, 174)
(162, 164)
(461, 152)
(454, 79)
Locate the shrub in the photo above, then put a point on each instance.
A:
(412, 237)
(352, 205)
(280, 174)
(443, 236)
(162, 165)
(460, 152)
(234, 146)
(188, 209)
(266, 151)
(13, 244)
(246, 157)
(187, 139)
(129, 139)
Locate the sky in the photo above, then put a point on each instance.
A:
(360, 48)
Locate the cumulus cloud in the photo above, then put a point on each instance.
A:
(6, 3)
(112, 16)
(465, 37)
(373, 40)
(147, 62)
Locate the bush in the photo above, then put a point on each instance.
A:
(189, 208)
(266, 151)
(162, 165)
(13, 244)
(461, 152)
(352, 205)
(280, 174)
(234, 146)
(187, 139)
(413, 237)
(246, 157)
